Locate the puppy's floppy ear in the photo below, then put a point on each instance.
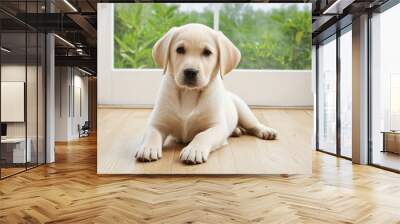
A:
(229, 54)
(161, 49)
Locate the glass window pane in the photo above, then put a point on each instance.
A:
(13, 86)
(31, 89)
(138, 26)
(269, 36)
(346, 94)
(22, 90)
(386, 89)
(327, 96)
(31, 97)
(264, 33)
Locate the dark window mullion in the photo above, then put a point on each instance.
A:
(26, 88)
(37, 90)
(317, 96)
(338, 81)
(369, 91)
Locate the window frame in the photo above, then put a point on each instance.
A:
(343, 31)
(333, 37)
(132, 93)
(216, 26)
(40, 43)
(382, 8)
(379, 10)
(325, 42)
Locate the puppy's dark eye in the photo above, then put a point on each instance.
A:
(180, 50)
(207, 52)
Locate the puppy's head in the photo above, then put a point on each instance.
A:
(194, 54)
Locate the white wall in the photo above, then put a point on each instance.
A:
(68, 80)
(138, 88)
(15, 73)
(13, 101)
(257, 87)
(80, 83)
(62, 81)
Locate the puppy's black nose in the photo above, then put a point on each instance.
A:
(190, 74)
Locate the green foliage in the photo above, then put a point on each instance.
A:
(276, 39)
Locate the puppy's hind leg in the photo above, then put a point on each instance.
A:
(249, 122)
(239, 131)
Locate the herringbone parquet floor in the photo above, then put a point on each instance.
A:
(70, 191)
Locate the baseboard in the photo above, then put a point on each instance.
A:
(149, 106)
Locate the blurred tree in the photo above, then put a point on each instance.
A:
(275, 39)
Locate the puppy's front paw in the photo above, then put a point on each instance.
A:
(265, 132)
(194, 155)
(148, 154)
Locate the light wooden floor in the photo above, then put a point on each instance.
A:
(5, 172)
(120, 130)
(387, 159)
(10, 171)
(70, 191)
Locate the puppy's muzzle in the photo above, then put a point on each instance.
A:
(190, 75)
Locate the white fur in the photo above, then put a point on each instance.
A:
(205, 115)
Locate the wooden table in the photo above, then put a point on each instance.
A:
(391, 141)
(19, 155)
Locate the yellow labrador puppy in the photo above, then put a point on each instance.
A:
(193, 105)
